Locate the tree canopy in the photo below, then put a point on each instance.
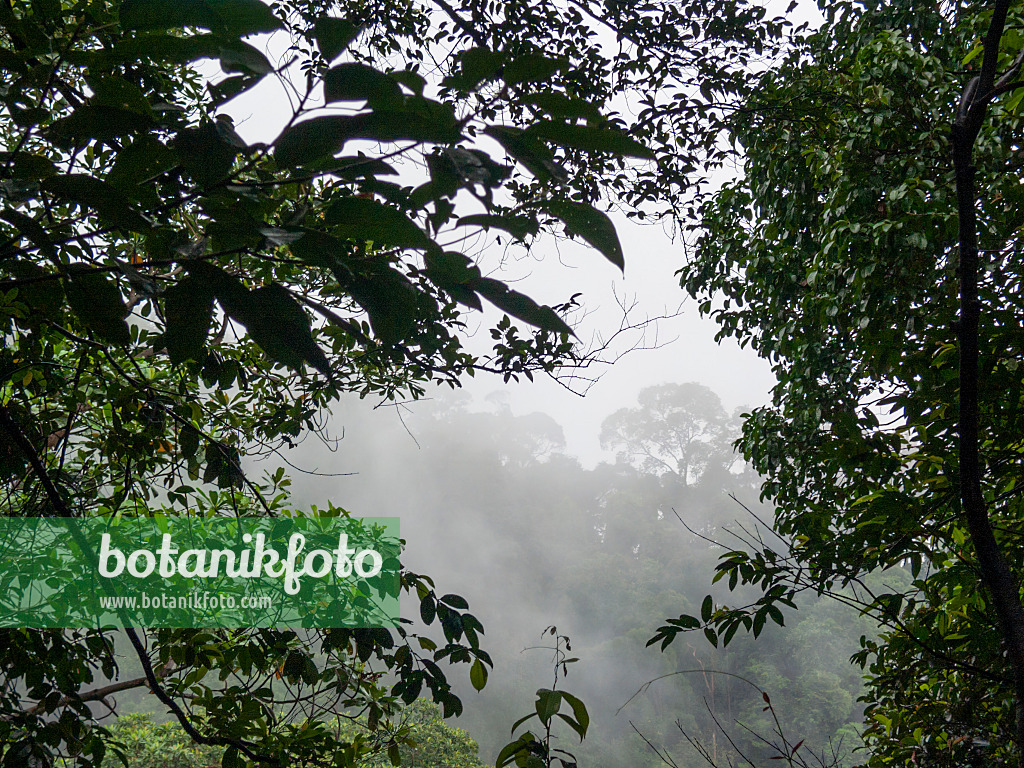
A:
(871, 251)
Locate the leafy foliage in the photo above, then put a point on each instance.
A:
(423, 740)
(836, 257)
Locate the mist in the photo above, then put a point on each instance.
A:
(495, 508)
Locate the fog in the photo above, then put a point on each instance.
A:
(495, 508)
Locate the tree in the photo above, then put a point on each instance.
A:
(678, 428)
(176, 301)
(871, 251)
(426, 741)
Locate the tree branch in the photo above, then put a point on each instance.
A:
(995, 571)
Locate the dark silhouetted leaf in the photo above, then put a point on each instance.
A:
(30, 229)
(520, 227)
(388, 297)
(318, 248)
(106, 199)
(593, 226)
(140, 161)
(333, 36)
(188, 310)
(113, 91)
(355, 167)
(26, 165)
(359, 219)
(205, 153)
(45, 297)
(236, 17)
(239, 56)
(559, 105)
(96, 123)
(358, 82)
(97, 302)
(530, 68)
(279, 325)
(312, 140)
(414, 81)
(476, 66)
(228, 290)
(528, 150)
(589, 139)
(230, 87)
(519, 305)
(419, 119)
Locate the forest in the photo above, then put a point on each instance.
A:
(250, 253)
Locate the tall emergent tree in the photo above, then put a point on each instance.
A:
(175, 300)
(871, 251)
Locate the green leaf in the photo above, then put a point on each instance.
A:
(360, 219)
(593, 226)
(230, 87)
(333, 36)
(389, 299)
(359, 82)
(589, 139)
(97, 302)
(315, 140)
(277, 322)
(355, 167)
(235, 17)
(520, 305)
(451, 268)
(759, 619)
(573, 724)
(25, 165)
(106, 199)
(419, 119)
(478, 675)
(188, 311)
(414, 81)
(706, 609)
(167, 48)
(547, 704)
(428, 609)
(579, 709)
(455, 601)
